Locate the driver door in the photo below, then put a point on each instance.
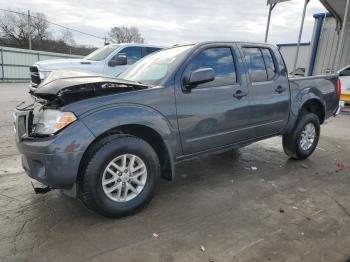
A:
(133, 54)
(213, 114)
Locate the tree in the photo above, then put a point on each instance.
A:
(14, 33)
(125, 34)
(40, 27)
(67, 37)
(14, 27)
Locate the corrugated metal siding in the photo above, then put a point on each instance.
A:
(327, 48)
(345, 58)
(15, 62)
(288, 52)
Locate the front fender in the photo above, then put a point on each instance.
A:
(104, 119)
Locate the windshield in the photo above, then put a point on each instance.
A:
(154, 69)
(102, 53)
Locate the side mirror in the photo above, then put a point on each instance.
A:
(120, 59)
(200, 76)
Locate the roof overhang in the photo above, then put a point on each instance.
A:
(336, 8)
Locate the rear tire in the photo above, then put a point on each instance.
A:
(110, 167)
(302, 141)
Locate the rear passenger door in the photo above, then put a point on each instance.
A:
(268, 90)
(213, 114)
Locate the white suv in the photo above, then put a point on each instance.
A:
(344, 77)
(109, 60)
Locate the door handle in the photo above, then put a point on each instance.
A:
(239, 94)
(280, 89)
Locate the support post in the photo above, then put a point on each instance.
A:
(341, 37)
(299, 38)
(2, 64)
(29, 35)
(268, 21)
(271, 4)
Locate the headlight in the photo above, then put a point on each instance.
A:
(51, 121)
(44, 74)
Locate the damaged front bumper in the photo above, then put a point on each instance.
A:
(53, 161)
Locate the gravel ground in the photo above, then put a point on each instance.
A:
(217, 209)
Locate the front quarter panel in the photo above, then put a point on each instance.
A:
(106, 119)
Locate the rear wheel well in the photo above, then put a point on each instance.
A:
(314, 106)
(143, 132)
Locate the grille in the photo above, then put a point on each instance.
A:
(23, 125)
(34, 76)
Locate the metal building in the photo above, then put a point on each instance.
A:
(330, 43)
(288, 52)
(324, 46)
(15, 62)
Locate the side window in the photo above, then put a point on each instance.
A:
(256, 64)
(270, 64)
(152, 49)
(345, 72)
(220, 59)
(133, 53)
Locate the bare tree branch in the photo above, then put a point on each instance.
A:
(14, 33)
(125, 34)
(15, 26)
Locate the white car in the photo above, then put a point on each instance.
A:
(109, 60)
(344, 76)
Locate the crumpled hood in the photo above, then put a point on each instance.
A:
(54, 64)
(73, 85)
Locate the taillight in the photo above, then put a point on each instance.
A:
(339, 88)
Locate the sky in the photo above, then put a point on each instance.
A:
(168, 22)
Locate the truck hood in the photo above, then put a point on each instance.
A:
(67, 86)
(54, 64)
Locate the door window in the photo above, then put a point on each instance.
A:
(220, 59)
(345, 72)
(255, 63)
(261, 65)
(133, 53)
(269, 63)
(152, 49)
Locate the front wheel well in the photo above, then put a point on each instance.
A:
(146, 133)
(314, 106)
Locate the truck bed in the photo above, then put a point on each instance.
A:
(323, 87)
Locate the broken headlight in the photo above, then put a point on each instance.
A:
(51, 121)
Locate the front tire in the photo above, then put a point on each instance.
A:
(302, 141)
(120, 175)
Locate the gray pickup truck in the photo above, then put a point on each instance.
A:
(109, 139)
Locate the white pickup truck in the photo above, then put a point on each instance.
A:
(109, 60)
